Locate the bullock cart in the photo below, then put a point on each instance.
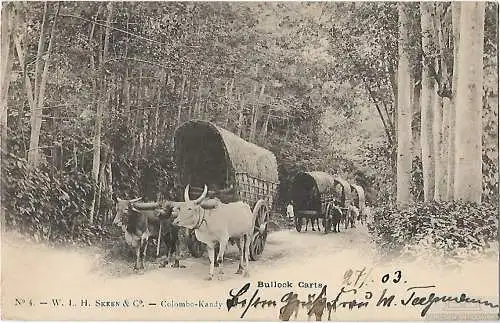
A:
(344, 197)
(311, 193)
(233, 170)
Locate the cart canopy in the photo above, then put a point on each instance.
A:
(343, 191)
(208, 154)
(358, 196)
(310, 188)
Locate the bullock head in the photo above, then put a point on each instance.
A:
(188, 213)
(121, 208)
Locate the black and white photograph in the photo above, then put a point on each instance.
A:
(249, 161)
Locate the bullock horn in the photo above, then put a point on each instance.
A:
(135, 200)
(203, 195)
(186, 193)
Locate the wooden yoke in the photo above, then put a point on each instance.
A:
(144, 206)
(225, 195)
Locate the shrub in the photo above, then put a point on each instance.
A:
(446, 227)
(46, 206)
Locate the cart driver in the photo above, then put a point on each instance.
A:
(353, 215)
(289, 210)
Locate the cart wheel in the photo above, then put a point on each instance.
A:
(261, 216)
(298, 223)
(196, 248)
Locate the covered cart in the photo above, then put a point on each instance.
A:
(343, 196)
(311, 192)
(233, 170)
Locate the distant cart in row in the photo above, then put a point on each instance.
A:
(312, 191)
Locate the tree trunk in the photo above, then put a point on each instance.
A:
(288, 126)
(468, 158)
(229, 102)
(154, 139)
(126, 96)
(456, 6)
(110, 189)
(181, 100)
(190, 99)
(404, 111)
(197, 106)
(241, 116)
(386, 123)
(428, 92)
(263, 133)
(5, 68)
(443, 183)
(41, 45)
(256, 114)
(441, 120)
(75, 157)
(139, 116)
(437, 134)
(416, 145)
(96, 160)
(38, 100)
(133, 127)
(100, 187)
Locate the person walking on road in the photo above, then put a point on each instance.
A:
(289, 211)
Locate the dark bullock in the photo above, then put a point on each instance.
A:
(140, 221)
(334, 216)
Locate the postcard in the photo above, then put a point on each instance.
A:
(253, 161)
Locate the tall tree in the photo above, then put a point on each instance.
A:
(102, 101)
(404, 111)
(39, 95)
(442, 24)
(468, 126)
(427, 101)
(8, 22)
(456, 8)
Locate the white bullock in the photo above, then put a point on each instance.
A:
(214, 221)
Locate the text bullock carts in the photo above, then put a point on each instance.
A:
(232, 169)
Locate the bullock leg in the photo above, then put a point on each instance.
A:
(176, 251)
(248, 238)
(220, 256)
(145, 242)
(211, 257)
(137, 256)
(241, 243)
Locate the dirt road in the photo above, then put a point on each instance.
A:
(84, 276)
